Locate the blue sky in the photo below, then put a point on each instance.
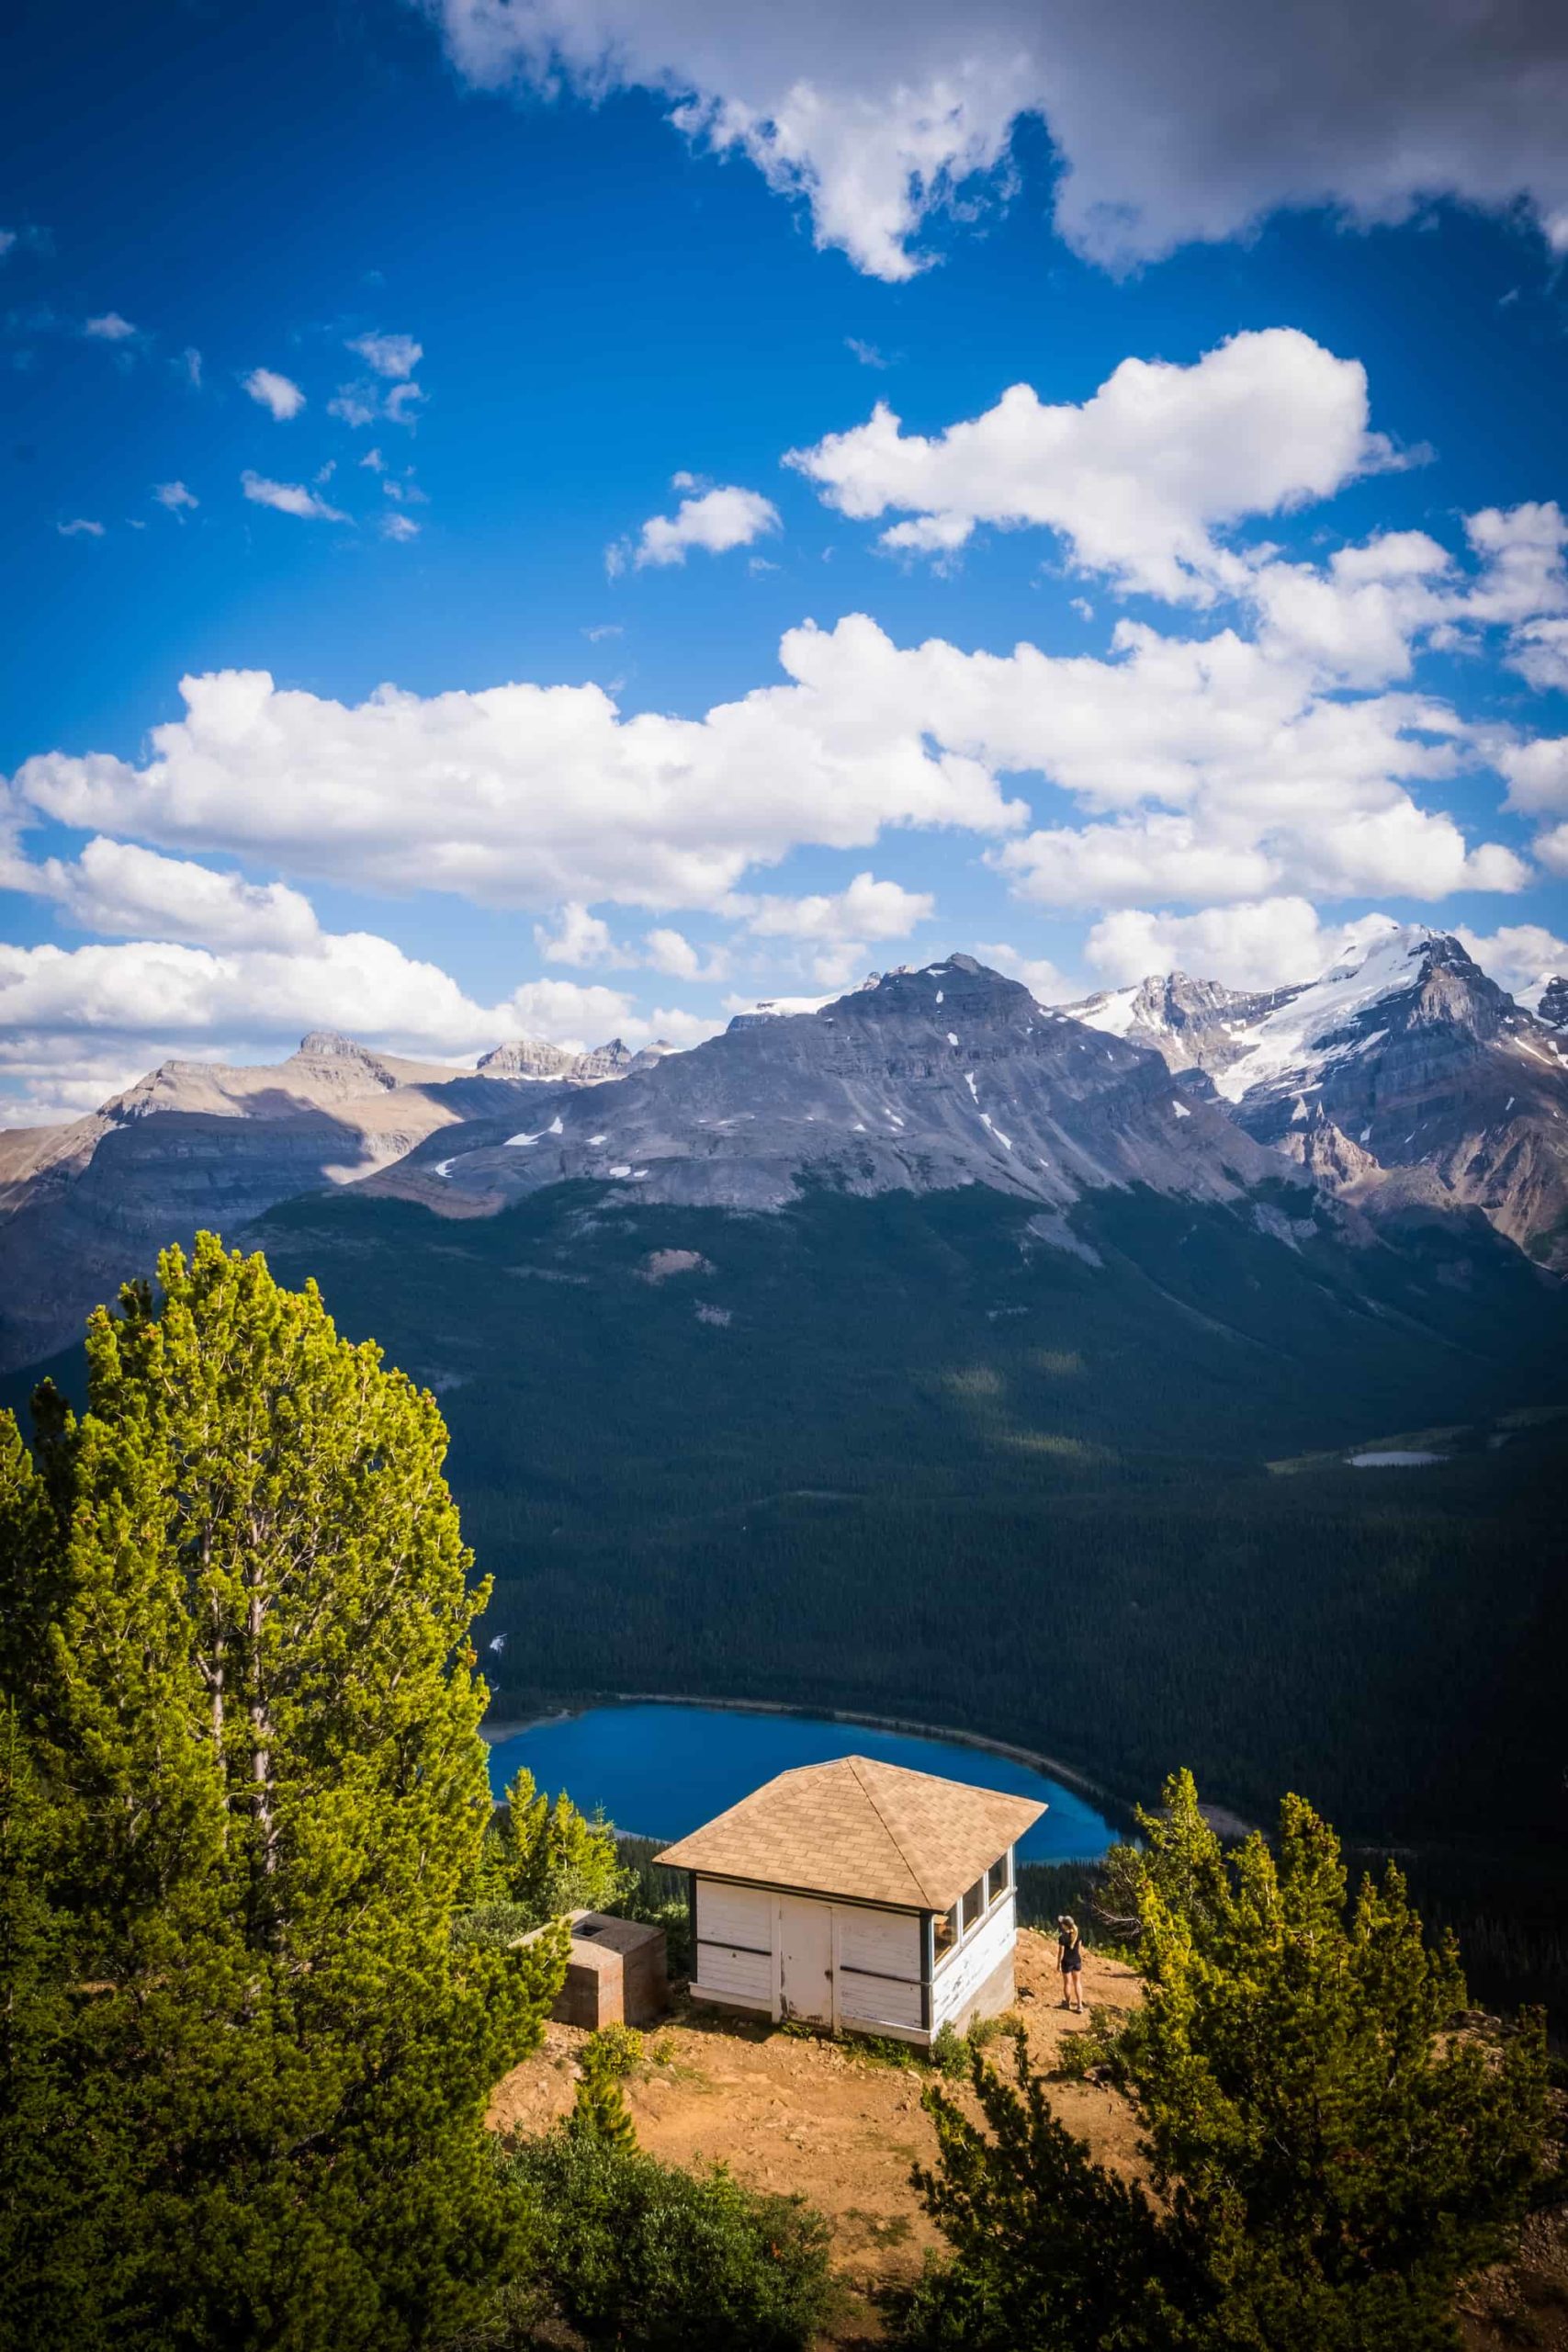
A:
(509, 314)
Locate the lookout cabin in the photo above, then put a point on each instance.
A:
(858, 1895)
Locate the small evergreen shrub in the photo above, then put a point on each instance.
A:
(600, 2112)
(950, 2054)
(628, 2250)
(547, 1857)
(615, 2050)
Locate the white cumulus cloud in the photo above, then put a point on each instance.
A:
(117, 888)
(576, 937)
(290, 498)
(1519, 956)
(464, 792)
(1172, 125)
(716, 520)
(1136, 478)
(389, 355)
(278, 394)
(672, 952)
(866, 908)
(1260, 944)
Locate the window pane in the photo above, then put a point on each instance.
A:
(974, 1903)
(1000, 1876)
(946, 1931)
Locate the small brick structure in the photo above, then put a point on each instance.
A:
(617, 1972)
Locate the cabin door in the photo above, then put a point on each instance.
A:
(806, 1959)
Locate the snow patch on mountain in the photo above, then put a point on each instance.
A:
(1298, 1039)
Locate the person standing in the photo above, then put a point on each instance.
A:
(1069, 1959)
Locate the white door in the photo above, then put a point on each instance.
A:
(806, 1959)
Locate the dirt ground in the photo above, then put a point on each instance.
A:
(787, 2113)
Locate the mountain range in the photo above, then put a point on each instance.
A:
(1402, 1077)
(1176, 1376)
(1404, 1083)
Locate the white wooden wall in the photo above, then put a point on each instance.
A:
(876, 1959)
(959, 1977)
(737, 1943)
(878, 1966)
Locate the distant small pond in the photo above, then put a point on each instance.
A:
(659, 1772)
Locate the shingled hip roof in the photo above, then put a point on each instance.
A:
(869, 1832)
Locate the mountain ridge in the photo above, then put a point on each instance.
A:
(1401, 1084)
(1403, 1078)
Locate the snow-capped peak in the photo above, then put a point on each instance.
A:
(1296, 1037)
(1115, 1010)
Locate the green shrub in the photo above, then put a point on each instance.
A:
(615, 2050)
(491, 1926)
(600, 2110)
(950, 2053)
(625, 2249)
(1077, 2055)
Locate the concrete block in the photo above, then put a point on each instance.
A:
(617, 1973)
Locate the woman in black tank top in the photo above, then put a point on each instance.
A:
(1069, 1959)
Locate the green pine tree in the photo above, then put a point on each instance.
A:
(1333, 2141)
(600, 2105)
(547, 1857)
(241, 1656)
(1341, 2143)
(65, 2162)
(1048, 2246)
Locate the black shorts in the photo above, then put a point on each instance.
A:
(1073, 1967)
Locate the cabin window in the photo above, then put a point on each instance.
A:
(946, 1931)
(974, 1903)
(999, 1878)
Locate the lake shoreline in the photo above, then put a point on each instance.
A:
(1050, 1765)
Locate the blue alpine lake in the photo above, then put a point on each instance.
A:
(659, 1771)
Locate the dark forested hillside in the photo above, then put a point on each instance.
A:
(907, 1455)
(1083, 1486)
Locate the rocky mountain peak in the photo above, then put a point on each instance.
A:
(536, 1057)
(947, 1076)
(1191, 1023)
(960, 985)
(1404, 1066)
(331, 1045)
(1452, 986)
